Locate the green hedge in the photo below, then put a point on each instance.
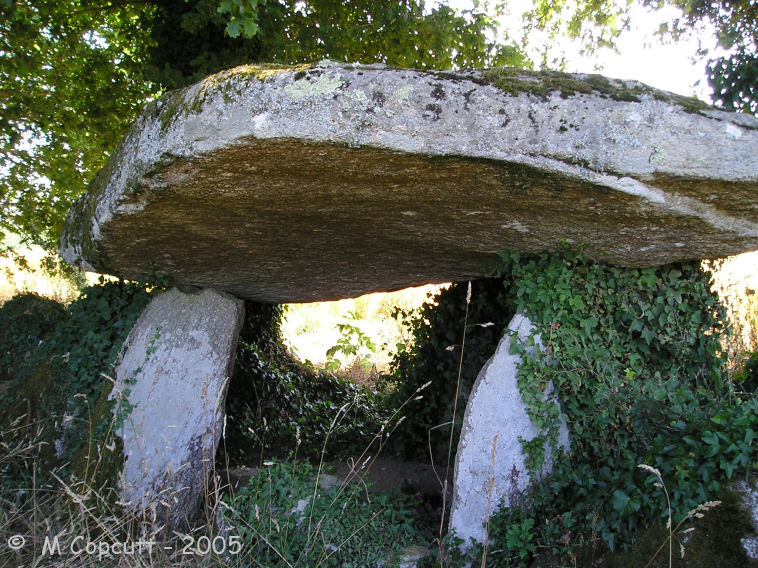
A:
(26, 321)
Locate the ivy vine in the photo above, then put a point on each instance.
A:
(635, 359)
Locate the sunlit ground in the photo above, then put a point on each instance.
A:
(310, 330)
(15, 278)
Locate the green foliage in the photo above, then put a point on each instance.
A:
(85, 345)
(353, 343)
(285, 519)
(262, 327)
(520, 536)
(56, 417)
(732, 77)
(75, 357)
(243, 15)
(434, 355)
(70, 78)
(634, 358)
(26, 321)
(714, 543)
(450, 553)
(275, 404)
(398, 33)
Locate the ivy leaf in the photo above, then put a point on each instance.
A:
(225, 7)
(623, 503)
(648, 335)
(588, 325)
(249, 28)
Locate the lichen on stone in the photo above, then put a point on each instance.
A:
(260, 71)
(228, 83)
(171, 105)
(323, 84)
(233, 81)
(403, 93)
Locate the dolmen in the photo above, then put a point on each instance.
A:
(318, 182)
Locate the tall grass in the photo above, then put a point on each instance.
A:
(675, 532)
(50, 518)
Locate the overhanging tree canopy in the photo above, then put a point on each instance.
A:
(73, 73)
(70, 79)
(732, 77)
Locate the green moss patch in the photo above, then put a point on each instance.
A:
(714, 542)
(515, 81)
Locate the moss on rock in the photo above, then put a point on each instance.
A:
(515, 81)
(715, 542)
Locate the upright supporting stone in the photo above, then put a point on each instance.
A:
(748, 493)
(174, 374)
(489, 465)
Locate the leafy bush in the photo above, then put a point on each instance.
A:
(56, 420)
(276, 404)
(634, 356)
(26, 320)
(353, 344)
(285, 519)
(64, 374)
(434, 355)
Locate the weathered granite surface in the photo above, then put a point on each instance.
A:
(322, 182)
(171, 383)
(490, 469)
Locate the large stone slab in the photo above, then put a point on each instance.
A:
(490, 468)
(323, 182)
(172, 380)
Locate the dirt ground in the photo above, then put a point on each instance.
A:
(381, 475)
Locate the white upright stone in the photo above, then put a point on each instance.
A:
(489, 465)
(748, 492)
(174, 373)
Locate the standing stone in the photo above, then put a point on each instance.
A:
(174, 373)
(489, 465)
(748, 492)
